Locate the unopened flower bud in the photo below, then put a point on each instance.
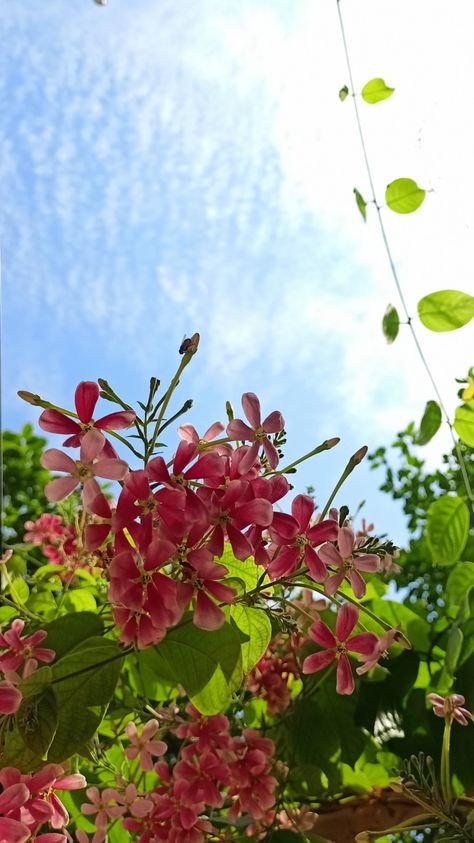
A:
(29, 397)
(359, 455)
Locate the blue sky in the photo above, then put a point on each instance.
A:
(178, 167)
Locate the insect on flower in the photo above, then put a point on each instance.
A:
(189, 345)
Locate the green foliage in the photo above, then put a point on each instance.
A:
(375, 90)
(255, 625)
(343, 93)
(361, 204)
(404, 196)
(408, 480)
(207, 664)
(446, 310)
(430, 423)
(464, 422)
(23, 482)
(390, 323)
(447, 529)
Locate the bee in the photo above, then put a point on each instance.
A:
(189, 345)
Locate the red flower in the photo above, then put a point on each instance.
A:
(85, 398)
(257, 433)
(338, 645)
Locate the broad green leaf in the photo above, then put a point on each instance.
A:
(247, 572)
(446, 310)
(390, 323)
(144, 674)
(375, 90)
(83, 683)
(36, 682)
(453, 649)
(447, 529)
(459, 583)
(404, 196)
(430, 423)
(361, 204)
(37, 721)
(464, 422)
(255, 624)
(343, 93)
(68, 631)
(19, 591)
(203, 662)
(78, 600)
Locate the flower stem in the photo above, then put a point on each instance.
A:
(174, 383)
(445, 771)
(325, 446)
(354, 460)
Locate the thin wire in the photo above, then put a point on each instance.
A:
(393, 269)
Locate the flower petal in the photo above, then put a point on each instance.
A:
(92, 445)
(346, 541)
(363, 642)
(60, 488)
(110, 469)
(55, 460)
(116, 421)
(251, 408)
(56, 422)
(237, 429)
(85, 399)
(317, 661)
(207, 614)
(345, 680)
(302, 509)
(321, 633)
(347, 618)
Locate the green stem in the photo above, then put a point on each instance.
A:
(354, 460)
(184, 362)
(445, 770)
(325, 446)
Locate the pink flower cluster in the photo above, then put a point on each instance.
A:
(172, 519)
(58, 540)
(269, 679)
(28, 802)
(19, 653)
(213, 770)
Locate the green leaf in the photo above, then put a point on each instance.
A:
(204, 662)
(255, 624)
(464, 422)
(83, 683)
(361, 204)
(459, 583)
(390, 323)
(247, 572)
(404, 196)
(144, 674)
(19, 591)
(375, 90)
(447, 529)
(446, 310)
(430, 423)
(453, 649)
(343, 93)
(37, 721)
(78, 600)
(67, 632)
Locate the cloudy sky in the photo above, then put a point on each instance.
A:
(171, 167)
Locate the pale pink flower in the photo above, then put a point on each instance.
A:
(380, 651)
(10, 697)
(203, 443)
(338, 645)
(451, 706)
(12, 831)
(22, 650)
(83, 471)
(142, 745)
(348, 563)
(257, 432)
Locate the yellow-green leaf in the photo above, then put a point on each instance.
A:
(343, 93)
(464, 422)
(375, 90)
(404, 196)
(446, 310)
(430, 423)
(361, 204)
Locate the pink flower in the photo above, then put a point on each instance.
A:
(203, 443)
(338, 645)
(12, 831)
(380, 651)
(142, 746)
(83, 471)
(257, 433)
(86, 397)
(10, 697)
(297, 540)
(348, 563)
(104, 805)
(20, 650)
(451, 707)
(203, 577)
